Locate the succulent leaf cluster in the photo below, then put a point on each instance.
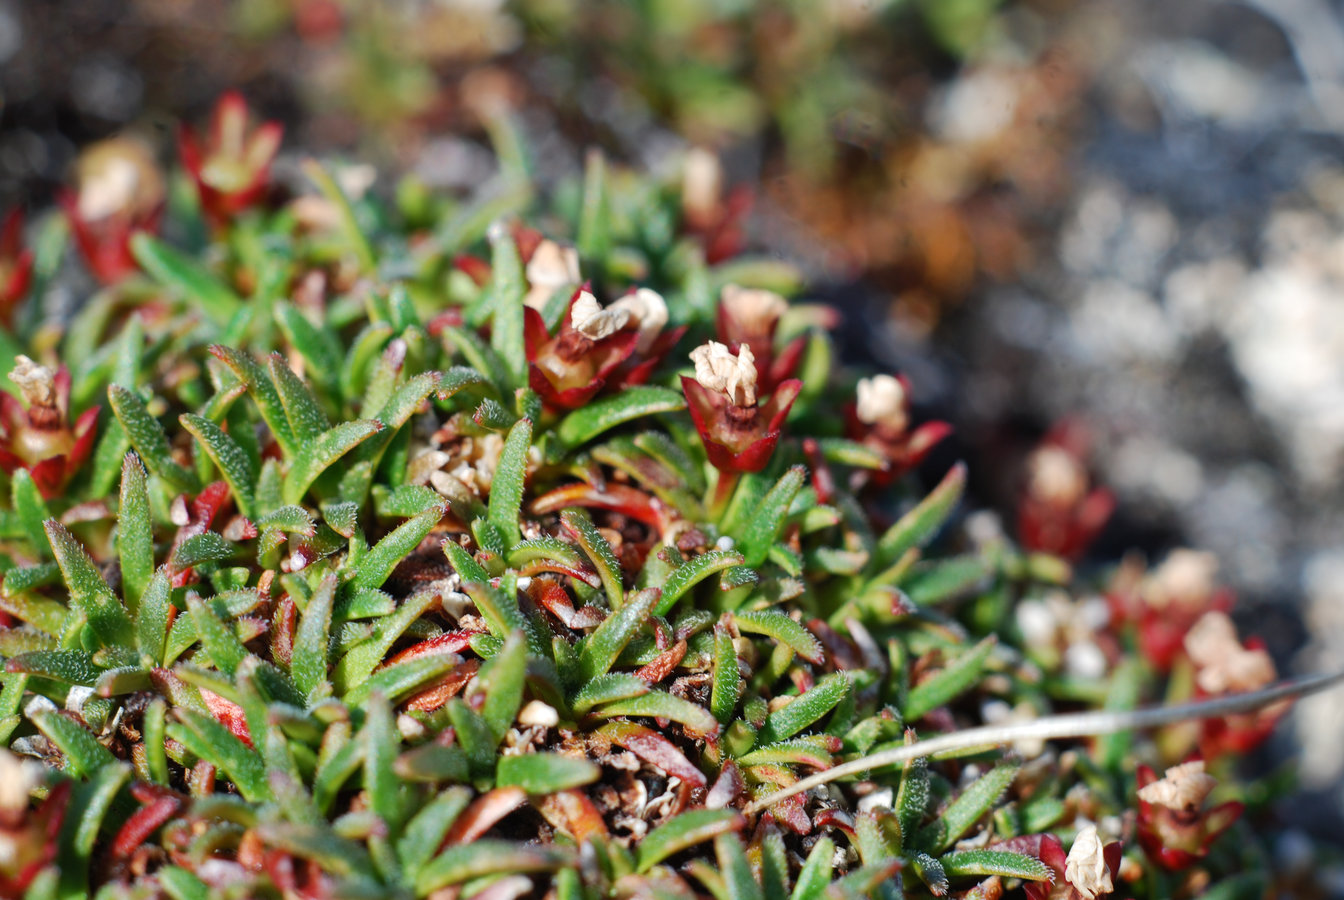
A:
(354, 597)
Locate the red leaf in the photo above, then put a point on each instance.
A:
(484, 812)
(652, 747)
(142, 823)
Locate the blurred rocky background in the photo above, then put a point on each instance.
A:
(1129, 213)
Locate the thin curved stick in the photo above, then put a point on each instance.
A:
(1071, 725)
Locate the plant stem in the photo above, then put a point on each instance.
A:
(1072, 725)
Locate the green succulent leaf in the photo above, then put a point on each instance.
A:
(506, 488)
(506, 289)
(766, 522)
(503, 677)
(233, 462)
(376, 565)
(660, 705)
(67, 666)
(189, 279)
(967, 809)
(582, 425)
(545, 773)
(685, 831)
(316, 457)
(601, 648)
(347, 224)
(607, 688)
(995, 862)
(580, 526)
(263, 392)
(108, 619)
(427, 828)
(805, 709)
(334, 854)
(31, 508)
(781, 628)
(217, 636)
(919, 526)
(151, 623)
(692, 572)
(396, 680)
(149, 440)
(209, 546)
(82, 753)
(319, 346)
(912, 797)
(956, 678)
(309, 657)
(381, 743)
(459, 864)
(815, 874)
(135, 533)
(363, 658)
(594, 237)
(727, 685)
(211, 741)
(306, 419)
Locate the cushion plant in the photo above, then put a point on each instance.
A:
(365, 550)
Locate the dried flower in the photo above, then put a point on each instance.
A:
(18, 779)
(708, 214)
(1167, 601)
(701, 186)
(1088, 871)
(36, 383)
(231, 166)
(1058, 512)
(648, 311)
(882, 400)
(880, 418)
(1174, 829)
(1182, 788)
(550, 268)
(750, 317)
(569, 368)
(27, 834)
(35, 434)
(16, 265)
(654, 340)
(733, 374)
(119, 191)
(738, 435)
(1224, 665)
(588, 318)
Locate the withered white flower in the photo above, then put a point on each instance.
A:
(550, 268)
(1222, 663)
(755, 309)
(1185, 578)
(1183, 787)
(701, 183)
(1085, 867)
(18, 778)
(1056, 476)
(648, 311)
(117, 176)
(881, 399)
(36, 382)
(589, 319)
(717, 369)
